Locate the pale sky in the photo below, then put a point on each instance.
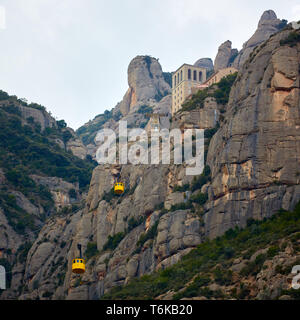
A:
(72, 55)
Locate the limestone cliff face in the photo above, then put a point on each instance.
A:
(205, 118)
(146, 83)
(148, 87)
(52, 252)
(267, 25)
(254, 163)
(254, 157)
(39, 116)
(224, 56)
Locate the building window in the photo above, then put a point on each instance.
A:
(181, 75)
(178, 77)
(195, 75)
(174, 80)
(200, 76)
(189, 74)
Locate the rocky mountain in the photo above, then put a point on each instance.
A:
(254, 263)
(225, 56)
(149, 92)
(254, 157)
(231, 232)
(267, 25)
(146, 84)
(40, 176)
(204, 63)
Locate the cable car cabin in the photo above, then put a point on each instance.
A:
(78, 265)
(119, 188)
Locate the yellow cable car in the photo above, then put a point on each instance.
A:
(119, 188)
(78, 264)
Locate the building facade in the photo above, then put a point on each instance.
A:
(184, 79)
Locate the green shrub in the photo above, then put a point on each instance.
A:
(150, 234)
(61, 124)
(168, 78)
(147, 59)
(182, 206)
(47, 294)
(201, 180)
(63, 244)
(273, 251)
(22, 251)
(61, 278)
(35, 284)
(91, 250)
(37, 106)
(199, 198)
(159, 206)
(72, 193)
(113, 241)
(13, 110)
(224, 87)
(222, 277)
(145, 109)
(183, 188)
(254, 267)
(243, 293)
(133, 223)
(292, 39)
(3, 95)
(294, 293)
(208, 133)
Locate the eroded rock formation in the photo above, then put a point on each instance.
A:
(254, 157)
(267, 25)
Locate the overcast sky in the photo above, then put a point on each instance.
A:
(72, 55)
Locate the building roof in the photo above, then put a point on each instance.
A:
(210, 77)
(190, 65)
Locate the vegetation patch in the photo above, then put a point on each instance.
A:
(150, 234)
(17, 218)
(220, 91)
(113, 241)
(183, 188)
(207, 256)
(145, 109)
(25, 150)
(91, 250)
(291, 40)
(88, 132)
